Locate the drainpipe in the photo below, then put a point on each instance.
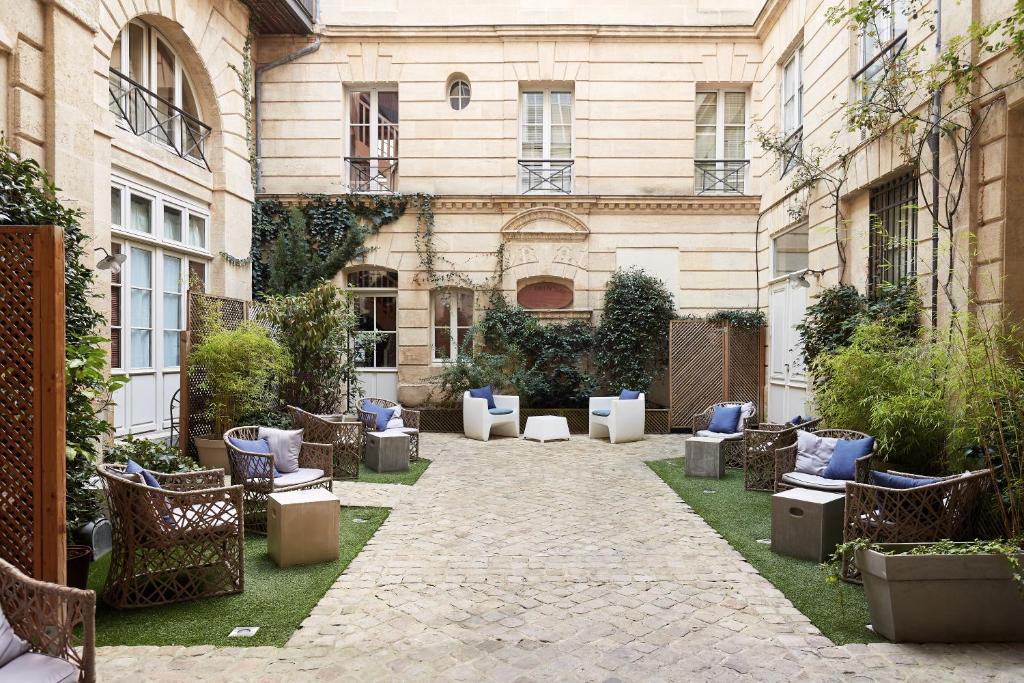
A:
(291, 57)
(933, 144)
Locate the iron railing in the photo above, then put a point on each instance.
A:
(720, 176)
(150, 116)
(792, 149)
(545, 176)
(372, 174)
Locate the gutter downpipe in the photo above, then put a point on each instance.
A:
(934, 145)
(258, 123)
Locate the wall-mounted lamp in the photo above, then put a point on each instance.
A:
(799, 278)
(111, 262)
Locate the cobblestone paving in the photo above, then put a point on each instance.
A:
(515, 561)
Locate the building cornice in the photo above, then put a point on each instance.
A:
(584, 32)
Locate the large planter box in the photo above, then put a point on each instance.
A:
(450, 419)
(941, 598)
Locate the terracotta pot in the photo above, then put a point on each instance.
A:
(79, 557)
(213, 454)
(941, 598)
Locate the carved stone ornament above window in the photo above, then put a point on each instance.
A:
(545, 224)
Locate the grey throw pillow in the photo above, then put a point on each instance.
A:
(813, 452)
(285, 444)
(11, 646)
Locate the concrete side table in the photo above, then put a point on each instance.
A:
(705, 459)
(302, 527)
(807, 524)
(387, 451)
(546, 428)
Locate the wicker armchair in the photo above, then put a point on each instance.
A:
(946, 509)
(254, 472)
(179, 542)
(759, 445)
(734, 449)
(54, 620)
(785, 458)
(411, 419)
(345, 438)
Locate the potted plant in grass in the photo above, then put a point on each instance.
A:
(941, 592)
(240, 370)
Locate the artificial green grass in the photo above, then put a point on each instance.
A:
(275, 599)
(742, 517)
(408, 478)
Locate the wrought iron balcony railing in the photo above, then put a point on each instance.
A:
(372, 174)
(150, 116)
(792, 148)
(720, 176)
(545, 176)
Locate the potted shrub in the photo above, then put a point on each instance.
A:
(942, 592)
(240, 371)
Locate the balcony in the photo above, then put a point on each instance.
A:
(284, 16)
(545, 176)
(378, 175)
(720, 176)
(792, 149)
(148, 115)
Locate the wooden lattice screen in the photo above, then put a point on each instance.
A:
(709, 363)
(32, 428)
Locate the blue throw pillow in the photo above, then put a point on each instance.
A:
(798, 420)
(383, 417)
(260, 446)
(484, 392)
(134, 468)
(843, 464)
(627, 395)
(725, 420)
(895, 481)
(499, 411)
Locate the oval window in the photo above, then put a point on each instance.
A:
(539, 295)
(459, 94)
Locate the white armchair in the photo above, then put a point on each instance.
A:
(621, 421)
(479, 422)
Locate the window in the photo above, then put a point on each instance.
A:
(152, 93)
(115, 206)
(172, 223)
(141, 214)
(376, 303)
(459, 94)
(790, 251)
(373, 140)
(115, 312)
(387, 279)
(792, 109)
(140, 269)
(545, 156)
(892, 252)
(720, 155)
(881, 41)
(452, 321)
(173, 305)
(196, 231)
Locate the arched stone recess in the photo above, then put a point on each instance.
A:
(546, 242)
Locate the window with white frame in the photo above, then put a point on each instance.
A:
(375, 295)
(545, 141)
(792, 109)
(372, 159)
(882, 39)
(452, 321)
(720, 153)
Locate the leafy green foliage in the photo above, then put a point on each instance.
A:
(29, 197)
(316, 327)
(631, 343)
(744, 320)
(241, 369)
(157, 456)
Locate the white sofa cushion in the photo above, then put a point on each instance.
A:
(396, 421)
(38, 668)
(302, 475)
(11, 646)
(285, 444)
(813, 481)
(813, 452)
(715, 435)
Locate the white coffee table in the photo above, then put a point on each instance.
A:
(546, 428)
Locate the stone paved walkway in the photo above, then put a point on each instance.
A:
(515, 561)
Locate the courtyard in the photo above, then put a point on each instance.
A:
(511, 560)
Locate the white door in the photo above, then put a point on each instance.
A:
(787, 376)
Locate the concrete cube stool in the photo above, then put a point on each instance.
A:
(302, 527)
(705, 458)
(807, 524)
(546, 428)
(387, 451)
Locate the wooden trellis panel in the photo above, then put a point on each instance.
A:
(32, 410)
(710, 363)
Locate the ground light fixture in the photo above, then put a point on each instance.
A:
(111, 262)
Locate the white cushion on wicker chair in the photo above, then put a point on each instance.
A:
(715, 435)
(401, 430)
(813, 481)
(303, 475)
(38, 668)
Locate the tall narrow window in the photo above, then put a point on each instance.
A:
(172, 223)
(115, 207)
(882, 40)
(140, 268)
(115, 312)
(196, 231)
(892, 253)
(373, 140)
(172, 310)
(141, 214)
(792, 109)
(720, 154)
(453, 320)
(546, 157)
(376, 301)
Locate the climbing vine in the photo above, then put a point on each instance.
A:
(245, 78)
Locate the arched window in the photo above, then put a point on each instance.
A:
(459, 94)
(152, 94)
(451, 323)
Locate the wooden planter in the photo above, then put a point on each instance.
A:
(941, 598)
(450, 419)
